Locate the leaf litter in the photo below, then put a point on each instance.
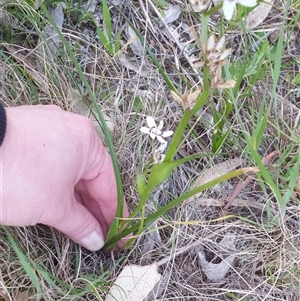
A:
(134, 283)
(189, 239)
(217, 271)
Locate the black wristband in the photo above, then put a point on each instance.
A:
(2, 123)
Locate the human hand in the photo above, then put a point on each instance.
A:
(56, 171)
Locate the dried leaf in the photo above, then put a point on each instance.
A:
(126, 62)
(49, 40)
(134, 283)
(259, 14)
(144, 94)
(210, 202)
(134, 42)
(217, 171)
(172, 13)
(159, 288)
(217, 271)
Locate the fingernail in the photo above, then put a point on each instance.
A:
(93, 241)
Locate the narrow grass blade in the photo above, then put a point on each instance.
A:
(280, 48)
(28, 267)
(107, 20)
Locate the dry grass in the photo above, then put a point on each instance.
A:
(267, 258)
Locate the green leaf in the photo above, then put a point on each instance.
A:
(107, 19)
(102, 37)
(29, 268)
(159, 212)
(140, 184)
(118, 42)
(160, 172)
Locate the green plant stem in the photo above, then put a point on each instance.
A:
(164, 170)
(204, 22)
(142, 201)
(178, 134)
(187, 116)
(158, 213)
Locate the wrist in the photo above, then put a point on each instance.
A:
(2, 123)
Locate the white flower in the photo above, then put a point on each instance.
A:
(158, 155)
(229, 6)
(155, 131)
(199, 5)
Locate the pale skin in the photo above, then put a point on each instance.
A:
(56, 171)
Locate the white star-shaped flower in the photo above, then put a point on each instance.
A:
(155, 131)
(229, 6)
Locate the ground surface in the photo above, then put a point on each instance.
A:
(263, 254)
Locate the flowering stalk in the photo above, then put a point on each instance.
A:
(155, 131)
(204, 23)
(187, 116)
(213, 60)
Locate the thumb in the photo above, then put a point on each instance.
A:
(80, 226)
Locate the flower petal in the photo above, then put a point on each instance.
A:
(161, 124)
(153, 135)
(167, 133)
(161, 139)
(162, 147)
(247, 3)
(225, 53)
(176, 97)
(194, 96)
(162, 157)
(220, 43)
(144, 130)
(230, 83)
(210, 43)
(228, 8)
(150, 121)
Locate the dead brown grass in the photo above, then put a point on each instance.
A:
(267, 259)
